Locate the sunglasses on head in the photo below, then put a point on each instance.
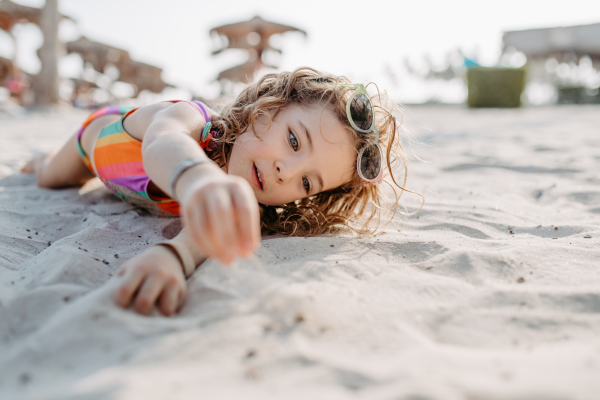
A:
(361, 115)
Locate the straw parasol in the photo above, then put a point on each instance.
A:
(12, 13)
(5, 69)
(257, 24)
(99, 55)
(252, 35)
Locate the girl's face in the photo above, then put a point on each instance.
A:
(304, 151)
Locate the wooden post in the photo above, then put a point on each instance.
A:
(46, 85)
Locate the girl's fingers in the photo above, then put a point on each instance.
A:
(222, 225)
(128, 287)
(248, 219)
(149, 293)
(169, 299)
(197, 222)
(180, 298)
(223, 220)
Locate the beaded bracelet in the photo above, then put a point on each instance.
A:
(206, 131)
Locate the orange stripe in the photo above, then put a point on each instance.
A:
(172, 207)
(118, 153)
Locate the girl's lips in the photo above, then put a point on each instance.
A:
(255, 177)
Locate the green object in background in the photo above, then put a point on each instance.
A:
(578, 95)
(495, 87)
(570, 95)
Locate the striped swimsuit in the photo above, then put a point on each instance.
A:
(117, 161)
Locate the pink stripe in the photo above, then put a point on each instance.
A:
(122, 169)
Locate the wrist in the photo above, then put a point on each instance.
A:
(182, 254)
(172, 263)
(181, 168)
(191, 175)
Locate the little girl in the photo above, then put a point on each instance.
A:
(306, 147)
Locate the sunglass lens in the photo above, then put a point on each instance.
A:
(361, 111)
(370, 162)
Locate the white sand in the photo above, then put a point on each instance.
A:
(452, 307)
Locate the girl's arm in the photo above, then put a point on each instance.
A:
(169, 133)
(220, 210)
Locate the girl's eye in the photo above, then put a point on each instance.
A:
(306, 184)
(293, 141)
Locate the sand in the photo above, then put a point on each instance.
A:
(492, 291)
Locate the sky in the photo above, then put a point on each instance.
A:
(367, 41)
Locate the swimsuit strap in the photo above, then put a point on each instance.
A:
(197, 105)
(207, 134)
(203, 109)
(101, 112)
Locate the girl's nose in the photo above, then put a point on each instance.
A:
(285, 171)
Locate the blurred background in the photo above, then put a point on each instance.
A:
(140, 51)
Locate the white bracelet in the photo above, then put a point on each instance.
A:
(181, 168)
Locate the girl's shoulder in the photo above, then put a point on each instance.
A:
(206, 111)
(180, 115)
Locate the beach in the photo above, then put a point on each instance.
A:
(491, 291)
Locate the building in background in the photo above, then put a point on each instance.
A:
(566, 57)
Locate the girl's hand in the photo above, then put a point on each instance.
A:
(221, 213)
(153, 277)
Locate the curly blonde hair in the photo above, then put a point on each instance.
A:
(331, 210)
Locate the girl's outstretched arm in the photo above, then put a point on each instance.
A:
(219, 210)
(156, 277)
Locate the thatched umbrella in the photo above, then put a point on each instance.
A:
(47, 18)
(144, 77)
(12, 13)
(84, 83)
(99, 55)
(239, 36)
(257, 24)
(6, 66)
(240, 73)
